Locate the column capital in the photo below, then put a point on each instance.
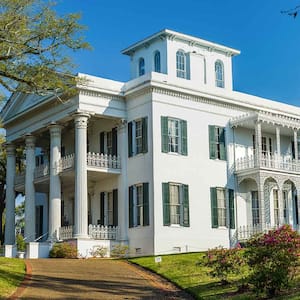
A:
(55, 128)
(81, 120)
(10, 149)
(30, 141)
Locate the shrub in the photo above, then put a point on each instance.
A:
(224, 262)
(20, 242)
(272, 258)
(99, 251)
(120, 251)
(63, 250)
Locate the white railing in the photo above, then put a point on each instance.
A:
(66, 162)
(247, 231)
(41, 171)
(269, 161)
(66, 232)
(101, 160)
(100, 232)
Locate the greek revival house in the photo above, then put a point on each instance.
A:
(174, 160)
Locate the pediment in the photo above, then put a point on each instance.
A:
(19, 103)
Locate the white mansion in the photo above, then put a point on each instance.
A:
(171, 161)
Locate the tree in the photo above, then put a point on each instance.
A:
(293, 12)
(34, 47)
(2, 187)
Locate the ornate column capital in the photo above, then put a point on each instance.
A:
(10, 149)
(55, 129)
(81, 120)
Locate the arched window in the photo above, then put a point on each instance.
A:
(181, 64)
(141, 66)
(219, 71)
(157, 61)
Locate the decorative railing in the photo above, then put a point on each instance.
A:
(247, 231)
(66, 162)
(100, 232)
(103, 160)
(66, 232)
(268, 161)
(41, 171)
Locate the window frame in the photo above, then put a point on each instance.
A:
(181, 66)
(219, 74)
(141, 68)
(255, 208)
(157, 62)
(138, 144)
(217, 142)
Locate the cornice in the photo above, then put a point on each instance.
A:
(98, 94)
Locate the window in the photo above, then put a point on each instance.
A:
(219, 73)
(109, 142)
(157, 67)
(255, 208)
(109, 208)
(175, 204)
(293, 150)
(285, 195)
(217, 146)
(141, 66)
(138, 136)
(174, 135)
(181, 64)
(219, 207)
(276, 207)
(139, 205)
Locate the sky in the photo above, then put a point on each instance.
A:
(269, 41)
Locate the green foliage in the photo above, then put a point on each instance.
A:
(223, 263)
(34, 47)
(20, 242)
(272, 258)
(120, 251)
(20, 217)
(99, 251)
(63, 250)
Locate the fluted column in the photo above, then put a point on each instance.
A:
(81, 203)
(258, 141)
(10, 194)
(55, 185)
(122, 183)
(29, 189)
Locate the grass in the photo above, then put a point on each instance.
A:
(185, 272)
(12, 272)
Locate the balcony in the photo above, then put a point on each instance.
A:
(268, 161)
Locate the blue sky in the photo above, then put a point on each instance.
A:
(269, 63)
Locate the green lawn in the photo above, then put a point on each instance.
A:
(183, 270)
(12, 272)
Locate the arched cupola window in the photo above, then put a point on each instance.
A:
(181, 64)
(219, 72)
(157, 67)
(141, 66)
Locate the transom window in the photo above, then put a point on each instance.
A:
(141, 66)
(219, 73)
(181, 64)
(157, 67)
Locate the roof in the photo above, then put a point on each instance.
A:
(174, 35)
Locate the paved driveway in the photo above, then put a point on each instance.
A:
(94, 279)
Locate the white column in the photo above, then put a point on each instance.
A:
(296, 145)
(261, 199)
(280, 206)
(29, 189)
(122, 183)
(55, 185)
(278, 145)
(81, 203)
(258, 142)
(10, 194)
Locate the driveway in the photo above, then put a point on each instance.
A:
(93, 279)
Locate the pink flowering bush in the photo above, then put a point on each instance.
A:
(223, 262)
(272, 258)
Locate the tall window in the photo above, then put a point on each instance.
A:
(276, 207)
(109, 208)
(181, 64)
(109, 142)
(285, 195)
(219, 73)
(138, 136)
(141, 66)
(174, 135)
(255, 207)
(139, 205)
(217, 146)
(175, 204)
(157, 67)
(219, 207)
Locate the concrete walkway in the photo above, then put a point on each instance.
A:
(93, 279)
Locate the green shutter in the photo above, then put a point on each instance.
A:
(231, 209)
(166, 204)
(102, 208)
(146, 204)
(131, 207)
(130, 139)
(214, 207)
(185, 217)
(164, 135)
(222, 144)
(102, 142)
(145, 135)
(114, 141)
(212, 142)
(184, 149)
(115, 207)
